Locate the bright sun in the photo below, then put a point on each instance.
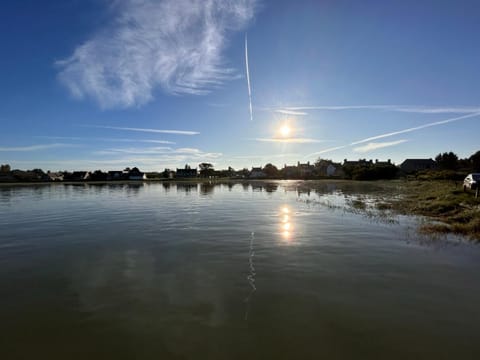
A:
(285, 130)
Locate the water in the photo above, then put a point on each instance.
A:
(284, 270)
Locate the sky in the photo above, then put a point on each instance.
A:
(109, 84)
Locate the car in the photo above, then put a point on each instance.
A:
(471, 182)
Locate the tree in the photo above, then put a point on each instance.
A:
(5, 168)
(206, 169)
(475, 161)
(447, 161)
(270, 170)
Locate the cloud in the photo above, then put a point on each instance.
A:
(192, 153)
(289, 140)
(374, 146)
(176, 45)
(176, 132)
(266, 156)
(291, 112)
(76, 138)
(35, 147)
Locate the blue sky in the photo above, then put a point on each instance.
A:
(106, 84)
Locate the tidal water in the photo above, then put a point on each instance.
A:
(281, 270)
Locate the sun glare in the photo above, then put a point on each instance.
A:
(285, 130)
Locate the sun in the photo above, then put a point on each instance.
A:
(285, 130)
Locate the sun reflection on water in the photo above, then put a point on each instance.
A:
(286, 225)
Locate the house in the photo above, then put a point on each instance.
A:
(135, 174)
(383, 163)
(289, 171)
(257, 173)
(360, 162)
(77, 176)
(115, 175)
(55, 176)
(413, 165)
(187, 172)
(305, 170)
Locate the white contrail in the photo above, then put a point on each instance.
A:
(248, 78)
(436, 123)
(415, 128)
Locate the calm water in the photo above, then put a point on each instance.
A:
(284, 270)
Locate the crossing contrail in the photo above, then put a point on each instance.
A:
(248, 79)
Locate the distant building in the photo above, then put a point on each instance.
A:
(55, 176)
(305, 170)
(187, 172)
(412, 165)
(383, 163)
(257, 173)
(289, 171)
(360, 162)
(115, 175)
(77, 176)
(135, 174)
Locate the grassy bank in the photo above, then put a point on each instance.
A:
(445, 202)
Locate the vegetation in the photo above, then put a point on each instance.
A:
(445, 202)
(370, 171)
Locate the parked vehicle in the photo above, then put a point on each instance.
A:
(471, 182)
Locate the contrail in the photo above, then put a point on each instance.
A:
(248, 78)
(415, 128)
(436, 123)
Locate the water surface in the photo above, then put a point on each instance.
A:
(284, 270)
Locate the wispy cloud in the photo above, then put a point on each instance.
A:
(158, 131)
(266, 156)
(416, 128)
(289, 140)
(173, 44)
(291, 112)
(160, 150)
(77, 138)
(377, 145)
(248, 79)
(35, 147)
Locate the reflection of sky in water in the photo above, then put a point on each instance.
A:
(155, 270)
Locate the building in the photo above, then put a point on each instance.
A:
(135, 174)
(413, 165)
(305, 170)
(115, 175)
(187, 172)
(360, 162)
(257, 173)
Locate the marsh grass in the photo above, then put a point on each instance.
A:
(444, 202)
